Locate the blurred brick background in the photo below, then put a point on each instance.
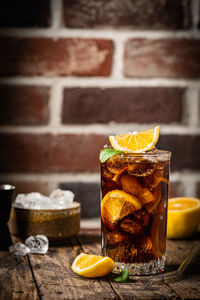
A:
(75, 71)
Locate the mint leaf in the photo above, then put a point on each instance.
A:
(123, 277)
(107, 153)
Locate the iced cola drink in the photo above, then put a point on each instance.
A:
(134, 191)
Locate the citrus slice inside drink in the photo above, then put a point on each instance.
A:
(116, 205)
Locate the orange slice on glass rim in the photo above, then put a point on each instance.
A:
(135, 142)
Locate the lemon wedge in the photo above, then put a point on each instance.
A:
(92, 265)
(183, 217)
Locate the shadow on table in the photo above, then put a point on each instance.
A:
(5, 237)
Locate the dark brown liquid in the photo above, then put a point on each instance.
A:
(134, 235)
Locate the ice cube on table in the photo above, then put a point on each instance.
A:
(19, 249)
(37, 244)
(61, 199)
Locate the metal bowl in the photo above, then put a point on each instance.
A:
(57, 225)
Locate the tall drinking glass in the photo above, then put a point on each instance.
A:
(134, 200)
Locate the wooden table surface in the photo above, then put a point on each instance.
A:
(50, 276)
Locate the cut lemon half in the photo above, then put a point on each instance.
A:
(135, 142)
(92, 265)
(183, 217)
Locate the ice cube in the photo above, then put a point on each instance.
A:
(32, 201)
(34, 197)
(37, 201)
(115, 163)
(116, 237)
(133, 186)
(58, 199)
(118, 253)
(152, 206)
(108, 186)
(133, 251)
(141, 168)
(19, 201)
(154, 179)
(19, 249)
(123, 253)
(61, 199)
(38, 244)
(145, 245)
(142, 216)
(131, 226)
(107, 174)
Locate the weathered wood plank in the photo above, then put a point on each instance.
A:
(145, 288)
(90, 243)
(56, 280)
(188, 285)
(16, 280)
(133, 289)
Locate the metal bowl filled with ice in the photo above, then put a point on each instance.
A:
(56, 216)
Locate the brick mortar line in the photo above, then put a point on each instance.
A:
(55, 107)
(56, 177)
(113, 34)
(92, 223)
(56, 13)
(102, 82)
(191, 107)
(88, 177)
(195, 14)
(118, 60)
(188, 180)
(57, 9)
(188, 186)
(99, 129)
(58, 85)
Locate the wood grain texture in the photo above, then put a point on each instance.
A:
(50, 276)
(188, 285)
(16, 280)
(56, 280)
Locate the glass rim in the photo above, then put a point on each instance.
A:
(6, 187)
(165, 154)
(149, 153)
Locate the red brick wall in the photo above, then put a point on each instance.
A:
(74, 72)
